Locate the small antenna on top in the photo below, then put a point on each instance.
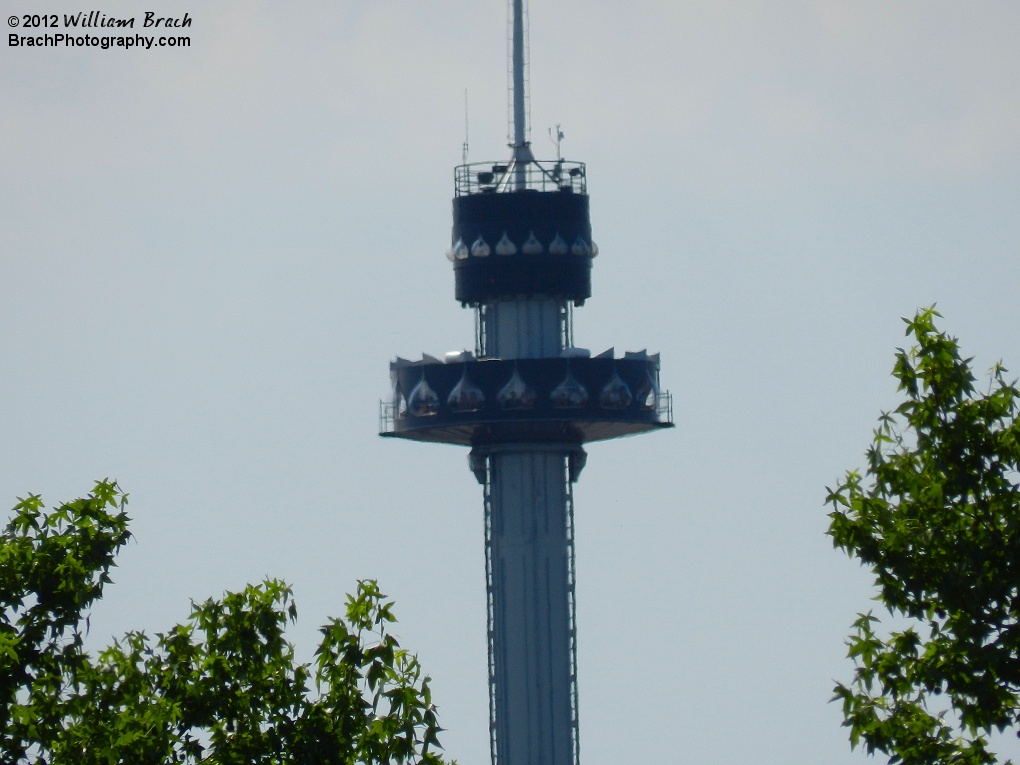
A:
(464, 152)
(557, 139)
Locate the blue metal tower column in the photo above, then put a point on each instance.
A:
(531, 629)
(532, 679)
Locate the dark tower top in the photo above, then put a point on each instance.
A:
(521, 232)
(521, 243)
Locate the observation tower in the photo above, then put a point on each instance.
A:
(525, 402)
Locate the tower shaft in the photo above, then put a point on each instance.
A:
(531, 621)
(532, 682)
(523, 329)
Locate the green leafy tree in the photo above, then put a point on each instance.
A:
(937, 519)
(222, 688)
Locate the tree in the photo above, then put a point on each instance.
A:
(223, 688)
(937, 519)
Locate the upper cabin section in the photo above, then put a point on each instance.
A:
(521, 231)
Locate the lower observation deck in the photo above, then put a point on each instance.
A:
(488, 401)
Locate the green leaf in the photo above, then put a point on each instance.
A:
(936, 517)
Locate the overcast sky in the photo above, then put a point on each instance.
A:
(208, 255)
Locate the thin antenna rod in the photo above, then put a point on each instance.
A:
(519, 63)
(465, 151)
(520, 111)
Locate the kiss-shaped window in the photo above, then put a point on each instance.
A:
(615, 394)
(569, 394)
(423, 401)
(516, 394)
(465, 396)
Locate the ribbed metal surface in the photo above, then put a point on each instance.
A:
(531, 643)
(524, 329)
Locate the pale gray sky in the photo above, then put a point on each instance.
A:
(208, 255)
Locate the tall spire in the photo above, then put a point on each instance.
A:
(519, 103)
(519, 116)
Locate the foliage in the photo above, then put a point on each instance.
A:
(222, 688)
(937, 519)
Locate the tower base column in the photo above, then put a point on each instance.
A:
(531, 631)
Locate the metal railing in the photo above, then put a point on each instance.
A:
(490, 610)
(491, 178)
(387, 417)
(575, 740)
(664, 406)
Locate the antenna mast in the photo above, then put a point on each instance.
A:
(519, 105)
